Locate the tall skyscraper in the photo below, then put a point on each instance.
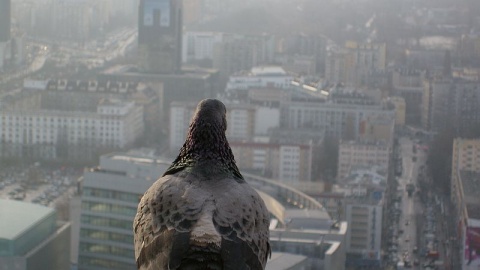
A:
(160, 36)
(4, 20)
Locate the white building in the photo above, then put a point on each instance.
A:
(352, 154)
(364, 190)
(114, 124)
(364, 234)
(342, 120)
(199, 45)
(287, 162)
(260, 77)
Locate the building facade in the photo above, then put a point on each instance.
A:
(109, 203)
(354, 63)
(242, 52)
(340, 119)
(199, 46)
(36, 126)
(160, 36)
(289, 163)
(356, 153)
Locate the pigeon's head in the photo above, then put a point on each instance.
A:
(207, 142)
(211, 112)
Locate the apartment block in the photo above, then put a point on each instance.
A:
(340, 116)
(363, 191)
(289, 163)
(450, 103)
(198, 46)
(357, 153)
(353, 63)
(242, 52)
(408, 84)
(35, 124)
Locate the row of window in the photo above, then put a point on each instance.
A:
(17, 120)
(107, 222)
(112, 194)
(96, 248)
(106, 236)
(109, 208)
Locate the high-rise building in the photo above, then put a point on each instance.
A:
(109, 202)
(363, 197)
(353, 64)
(5, 16)
(465, 157)
(451, 103)
(465, 197)
(160, 36)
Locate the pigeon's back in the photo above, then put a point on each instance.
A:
(188, 223)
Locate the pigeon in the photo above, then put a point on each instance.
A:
(202, 214)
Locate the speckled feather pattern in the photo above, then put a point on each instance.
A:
(202, 183)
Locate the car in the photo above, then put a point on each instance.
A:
(407, 222)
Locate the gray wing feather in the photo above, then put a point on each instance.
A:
(169, 206)
(241, 209)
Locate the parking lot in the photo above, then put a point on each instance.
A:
(38, 185)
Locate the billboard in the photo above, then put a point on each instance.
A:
(472, 248)
(156, 13)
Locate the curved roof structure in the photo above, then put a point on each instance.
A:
(286, 203)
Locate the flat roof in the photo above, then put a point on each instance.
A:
(268, 71)
(280, 261)
(16, 217)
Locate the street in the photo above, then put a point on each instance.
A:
(409, 206)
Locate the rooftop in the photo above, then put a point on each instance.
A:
(16, 217)
(280, 261)
(268, 71)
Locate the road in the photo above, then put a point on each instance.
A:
(410, 205)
